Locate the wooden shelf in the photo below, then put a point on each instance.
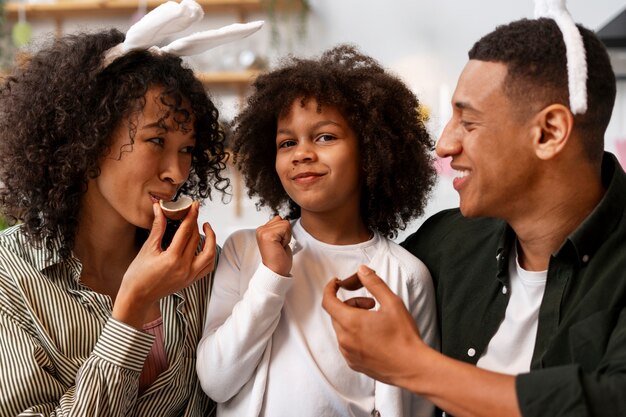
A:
(241, 78)
(61, 9)
(68, 8)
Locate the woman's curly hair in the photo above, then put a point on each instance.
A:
(394, 145)
(58, 113)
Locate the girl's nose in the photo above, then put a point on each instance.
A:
(304, 152)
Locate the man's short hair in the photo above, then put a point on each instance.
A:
(535, 55)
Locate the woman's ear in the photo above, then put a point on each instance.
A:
(552, 130)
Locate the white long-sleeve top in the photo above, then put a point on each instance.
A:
(268, 347)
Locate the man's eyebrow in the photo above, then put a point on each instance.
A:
(464, 105)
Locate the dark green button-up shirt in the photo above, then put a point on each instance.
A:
(579, 361)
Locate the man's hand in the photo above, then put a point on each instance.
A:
(273, 239)
(385, 344)
(378, 343)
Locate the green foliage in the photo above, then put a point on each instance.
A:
(3, 223)
(7, 49)
(273, 9)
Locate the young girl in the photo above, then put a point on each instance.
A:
(96, 319)
(337, 145)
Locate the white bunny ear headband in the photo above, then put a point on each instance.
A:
(575, 51)
(170, 18)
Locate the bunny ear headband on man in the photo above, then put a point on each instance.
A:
(575, 51)
(169, 19)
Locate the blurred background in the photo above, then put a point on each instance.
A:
(425, 42)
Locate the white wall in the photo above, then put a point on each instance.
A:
(424, 42)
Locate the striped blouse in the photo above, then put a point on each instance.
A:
(61, 353)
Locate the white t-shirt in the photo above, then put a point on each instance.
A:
(305, 362)
(269, 348)
(510, 350)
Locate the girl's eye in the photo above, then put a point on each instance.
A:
(157, 141)
(187, 149)
(286, 143)
(325, 138)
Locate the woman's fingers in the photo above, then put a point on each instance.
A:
(186, 230)
(204, 262)
(158, 227)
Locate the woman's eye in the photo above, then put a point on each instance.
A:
(187, 149)
(157, 141)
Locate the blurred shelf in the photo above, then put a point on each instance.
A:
(241, 79)
(68, 8)
(238, 78)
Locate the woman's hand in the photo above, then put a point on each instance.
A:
(273, 239)
(156, 273)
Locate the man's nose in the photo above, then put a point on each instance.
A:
(449, 143)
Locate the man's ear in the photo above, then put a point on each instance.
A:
(552, 130)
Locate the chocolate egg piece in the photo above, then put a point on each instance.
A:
(176, 210)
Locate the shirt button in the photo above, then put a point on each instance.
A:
(471, 352)
(504, 290)
(585, 258)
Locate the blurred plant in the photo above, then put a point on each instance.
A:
(3, 223)
(7, 49)
(282, 8)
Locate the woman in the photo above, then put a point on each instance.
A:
(95, 317)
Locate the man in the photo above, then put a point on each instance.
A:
(530, 273)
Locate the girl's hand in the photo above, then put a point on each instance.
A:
(157, 273)
(273, 239)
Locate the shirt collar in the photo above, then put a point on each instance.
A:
(41, 257)
(505, 244)
(594, 230)
(601, 222)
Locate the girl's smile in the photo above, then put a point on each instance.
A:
(317, 159)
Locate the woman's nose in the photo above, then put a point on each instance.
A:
(174, 170)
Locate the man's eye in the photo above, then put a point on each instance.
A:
(466, 125)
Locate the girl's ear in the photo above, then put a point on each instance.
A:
(552, 130)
